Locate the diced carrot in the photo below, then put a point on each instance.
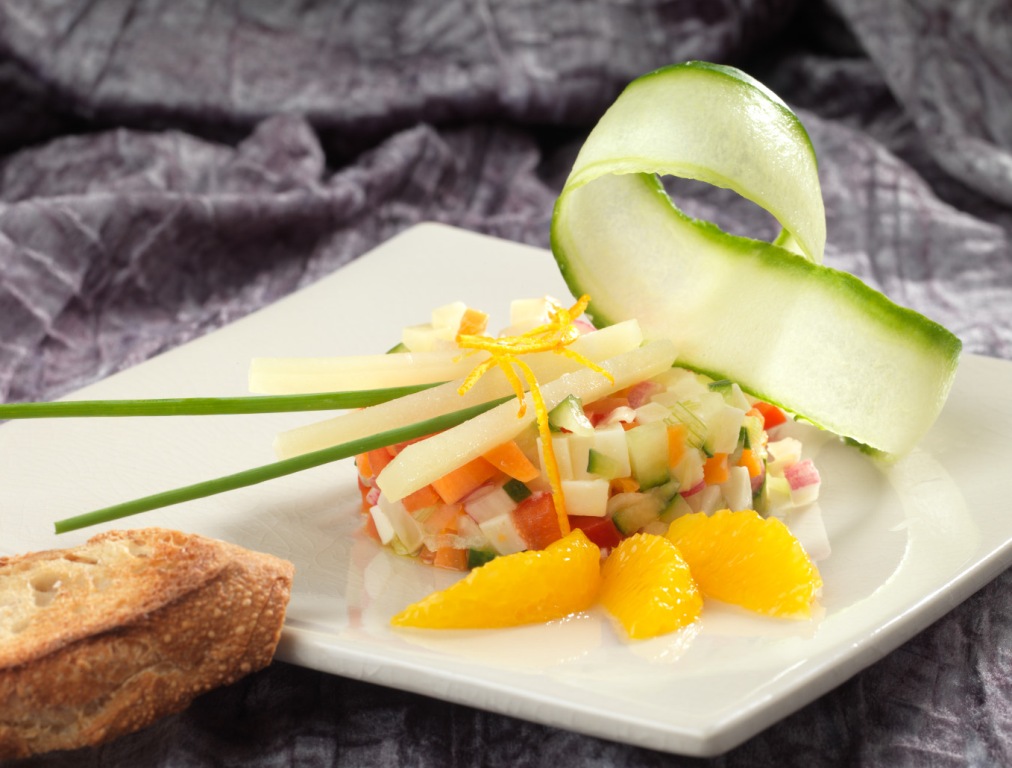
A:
(443, 519)
(772, 416)
(474, 321)
(751, 462)
(624, 485)
(393, 450)
(715, 469)
(455, 485)
(378, 458)
(537, 521)
(676, 443)
(514, 462)
(363, 466)
(364, 490)
(425, 496)
(426, 555)
(369, 527)
(600, 530)
(452, 558)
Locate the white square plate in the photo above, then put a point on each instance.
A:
(909, 541)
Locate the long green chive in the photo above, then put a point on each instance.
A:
(276, 469)
(206, 406)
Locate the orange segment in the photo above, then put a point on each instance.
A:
(748, 560)
(522, 588)
(647, 587)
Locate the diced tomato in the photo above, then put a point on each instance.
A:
(600, 530)
(537, 521)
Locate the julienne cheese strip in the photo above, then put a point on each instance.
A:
(595, 346)
(419, 464)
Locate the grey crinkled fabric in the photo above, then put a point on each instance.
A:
(166, 168)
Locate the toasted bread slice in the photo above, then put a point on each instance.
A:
(103, 639)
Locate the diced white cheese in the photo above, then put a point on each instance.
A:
(492, 503)
(405, 527)
(725, 428)
(503, 535)
(737, 489)
(560, 445)
(652, 412)
(382, 523)
(586, 497)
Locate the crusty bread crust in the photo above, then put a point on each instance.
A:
(104, 639)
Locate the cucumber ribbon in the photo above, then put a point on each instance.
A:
(813, 340)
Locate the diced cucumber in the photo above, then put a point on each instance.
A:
(648, 454)
(753, 428)
(478, 557)
(708, 500)
(605, 466)
(675, 509)
(563, 459)
(689, 471)
(666, 492)
(569, 416)
(731, 393)
(516, 490)
(609, 445)
(612, 441)
(631, 511)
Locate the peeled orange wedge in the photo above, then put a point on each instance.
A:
(647, 587)
(749, 561)
(522, 588)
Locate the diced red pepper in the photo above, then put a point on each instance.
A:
(772, 416)
(537, 521)
(600, 530)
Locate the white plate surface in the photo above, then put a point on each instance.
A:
(908, 541)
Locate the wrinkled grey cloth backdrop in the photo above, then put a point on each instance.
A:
(166, 168)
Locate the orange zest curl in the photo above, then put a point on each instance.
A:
(553, 336)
